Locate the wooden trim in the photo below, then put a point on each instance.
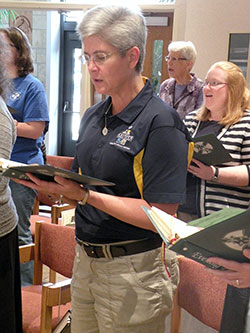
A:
(38, 267)
(62, 6)
(26, 252)
(175, 323)
(58, 293)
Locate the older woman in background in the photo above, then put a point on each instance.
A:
(183, 90)
(10, 289)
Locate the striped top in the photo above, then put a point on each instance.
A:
(236, 139)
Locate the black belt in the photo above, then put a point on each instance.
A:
(111, 251)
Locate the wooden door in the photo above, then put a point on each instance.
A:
(158, 35)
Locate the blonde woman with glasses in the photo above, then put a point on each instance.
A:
(210, 188)
(225, 113)
(183, 90)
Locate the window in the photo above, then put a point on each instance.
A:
(239, 50)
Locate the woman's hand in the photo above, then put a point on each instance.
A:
(63, 190)
(237, 175)
(201, 170)
(237, 274)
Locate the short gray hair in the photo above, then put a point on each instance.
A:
(187, 49)
(122, 27)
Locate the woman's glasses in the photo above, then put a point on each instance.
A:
(174, 59)
(99, 58)
(213, 84)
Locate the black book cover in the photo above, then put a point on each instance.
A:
(48, 172)
(209, 150)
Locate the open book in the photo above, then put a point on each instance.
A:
(209, 150)
(222, 234)
(45, 172)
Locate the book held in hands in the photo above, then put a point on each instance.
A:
(46, 172)
(222, 234)
(209, 150)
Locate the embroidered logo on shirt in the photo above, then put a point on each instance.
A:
(123, 137)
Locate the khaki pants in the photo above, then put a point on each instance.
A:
(128, 294)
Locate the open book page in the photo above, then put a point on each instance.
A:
(5, 164)
(169, 227)
(222, 234)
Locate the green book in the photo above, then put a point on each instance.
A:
(222, 234)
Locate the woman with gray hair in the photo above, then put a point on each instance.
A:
(136, 141)
(10, 290)
(183, 90)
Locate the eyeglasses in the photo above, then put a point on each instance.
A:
(99, 58)
(213, 84)
(168, 58)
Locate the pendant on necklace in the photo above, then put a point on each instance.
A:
(104, 131)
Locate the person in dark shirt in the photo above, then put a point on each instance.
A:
(134, 140)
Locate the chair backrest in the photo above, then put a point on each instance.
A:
(200, 293)
(55, 248)
(64, 162)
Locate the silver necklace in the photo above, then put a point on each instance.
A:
(105, 128)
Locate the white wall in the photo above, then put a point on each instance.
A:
(208, 23)
(52, 79)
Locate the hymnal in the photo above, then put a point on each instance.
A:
(46, 172)
(209, 150)
(222, 234)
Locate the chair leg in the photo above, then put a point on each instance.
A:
(175, 323)
(52, 276)
(46, 314)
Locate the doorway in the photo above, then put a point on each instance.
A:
(70, 89)
(159, 37)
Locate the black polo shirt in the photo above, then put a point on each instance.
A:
(144, 154)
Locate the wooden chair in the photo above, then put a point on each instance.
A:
(64, 162)
(200, 293)
(54, 247)
(54, 210)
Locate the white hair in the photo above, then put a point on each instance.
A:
(187, 49)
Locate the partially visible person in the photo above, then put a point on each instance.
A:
(183, 90)
(236, 312)
(226, 113)
(10, 288)
(139, 143)
(30, 111)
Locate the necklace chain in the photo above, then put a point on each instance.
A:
(105, 128)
